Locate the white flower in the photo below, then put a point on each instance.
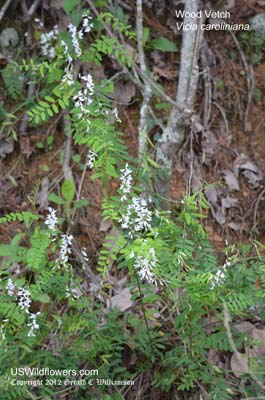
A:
(33, 324)
(73, 32)
(91, 158)
(51, 219)
(66, 51)
(144, 266)
(24, 299)
(73, 293)
(80, 34)
(10, 287)
(126, 182)
(137, 217)
(65, 249)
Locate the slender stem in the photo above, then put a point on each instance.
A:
(78, 193)
(143, 311)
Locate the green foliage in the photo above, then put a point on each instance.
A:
(117, 25)
(68, 190)
(46, 109)
(163, 44)
(111, 47)
(253, 44)
(13, 82)
(24, 216)
(36, 255)
(69, 5)
(177, 283)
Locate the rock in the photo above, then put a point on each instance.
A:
(258, 23)
(9, 37)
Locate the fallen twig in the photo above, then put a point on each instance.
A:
(222, 111)
(227, 319)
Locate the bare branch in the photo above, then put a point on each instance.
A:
(161, 92)
(32, 9)
(4, 8)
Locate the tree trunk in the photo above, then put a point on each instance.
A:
(174, 133)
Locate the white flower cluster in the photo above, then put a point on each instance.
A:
(75, 35)
(39, 23)
(91, 158)
(87, 24)
(83, 98)
(89, 83)
(85, 258)
(144, 266)
(137, 218)
(68, 77)
(2, 329)
(126, 182)
(2, 334)
(46, 42)
(24, 302)
(33, 324)
(23, 295)
(73, 293)
(51, 219)
(10, 287)
(116, 115)
(181, 256)
(66, 51)
(24, 299)
(65, 250)
(220, 275)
